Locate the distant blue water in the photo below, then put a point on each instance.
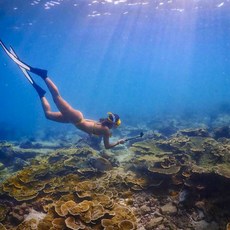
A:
(135, 58)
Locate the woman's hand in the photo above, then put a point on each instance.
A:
(121, 142)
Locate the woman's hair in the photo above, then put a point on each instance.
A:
(111, 120)
(106, 122)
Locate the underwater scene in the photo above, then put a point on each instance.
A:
(115, 114)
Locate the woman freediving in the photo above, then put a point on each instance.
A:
(66, 113)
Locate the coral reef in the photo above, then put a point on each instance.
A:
(179, 182)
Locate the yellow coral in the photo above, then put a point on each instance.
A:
(97, 211)
(67, 206)
(126, 225)
(58, 223)
(165, 171)
(223, 170)
(74, 224)
(80, 207)
(86, 185)
(58, 209)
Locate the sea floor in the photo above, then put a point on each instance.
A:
(177, 176)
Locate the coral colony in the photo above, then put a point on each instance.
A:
(176, 182)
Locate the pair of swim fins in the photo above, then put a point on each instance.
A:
(24, 67)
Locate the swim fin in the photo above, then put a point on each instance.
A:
(41, 92)
(41, 72)
(30, 79)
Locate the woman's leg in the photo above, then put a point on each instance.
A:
(54, 116)
(70, 114)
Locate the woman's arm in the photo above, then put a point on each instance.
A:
(111, 145)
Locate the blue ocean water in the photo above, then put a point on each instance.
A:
(137, 58)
